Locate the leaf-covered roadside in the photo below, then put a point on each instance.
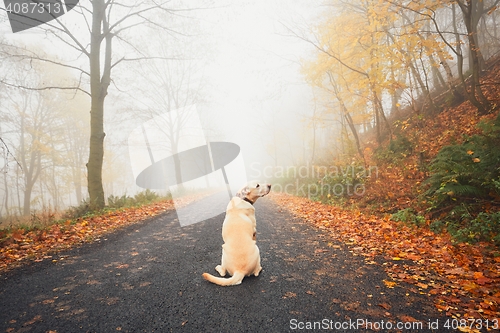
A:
(463, 280)
(18, 245)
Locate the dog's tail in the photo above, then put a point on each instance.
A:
(232, 281)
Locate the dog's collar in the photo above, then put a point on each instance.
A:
(248, 200)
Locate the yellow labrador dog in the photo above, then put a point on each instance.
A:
(240, 254)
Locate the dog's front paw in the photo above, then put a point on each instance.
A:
(221, 270)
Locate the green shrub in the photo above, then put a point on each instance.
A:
(141, 198)
(344, 184)
(114, 202)
(119, 202)
(464, 180)
(409, 216)
(485, 227)
(78, 211)
(437, 226)
(466, 172)
(482, 227)
(329, 185)
(146, 197)
(397, 150)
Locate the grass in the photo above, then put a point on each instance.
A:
(46, 218)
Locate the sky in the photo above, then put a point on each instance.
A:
(256, 73)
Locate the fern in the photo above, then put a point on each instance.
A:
(464, 177)
(468, 170)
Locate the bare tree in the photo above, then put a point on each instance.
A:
(108, 23)
(29, 118)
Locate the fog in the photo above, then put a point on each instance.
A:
(102, 100)
(235, 63)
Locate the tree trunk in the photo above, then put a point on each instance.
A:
(33, 171)
(457, 96)
(98, 90)
(96, 154)
(475, 88)
(437, 78)
(6, 194)
(27, 199)
(471, 14)
(78, 188)
(379, 113)
(347, 117)
(355, 134)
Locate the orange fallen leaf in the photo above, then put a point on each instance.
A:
(422, 285)
(389, 284)
(408, 319)
(17, 235)
(385, 306)
(483, 280)
(442, 307)
(469, 286)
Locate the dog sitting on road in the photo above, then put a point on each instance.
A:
(240, 254)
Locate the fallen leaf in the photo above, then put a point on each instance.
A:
(408, 319)
(439, 268)
(468, 329)
(442, 307)
(385, 306)
(389, 284)
(422, 285)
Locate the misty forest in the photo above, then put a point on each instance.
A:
(376, 122)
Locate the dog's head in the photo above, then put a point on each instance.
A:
(254, 191)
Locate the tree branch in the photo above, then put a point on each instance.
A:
(6, 147)
(319, 48)
(431, 17)
(43, 88)
(35, 57)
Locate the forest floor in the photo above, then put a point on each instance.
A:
(147, 277)
(461, 280)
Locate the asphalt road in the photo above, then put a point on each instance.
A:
(147, 278)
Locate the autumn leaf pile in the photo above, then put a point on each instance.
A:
(463, 280)
(19, 245)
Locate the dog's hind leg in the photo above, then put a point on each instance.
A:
(257, 271)
(222, 267)
(258, 268)
(221, 270)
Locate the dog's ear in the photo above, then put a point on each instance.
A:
(243, 192)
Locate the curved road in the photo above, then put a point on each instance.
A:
(147, 278)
